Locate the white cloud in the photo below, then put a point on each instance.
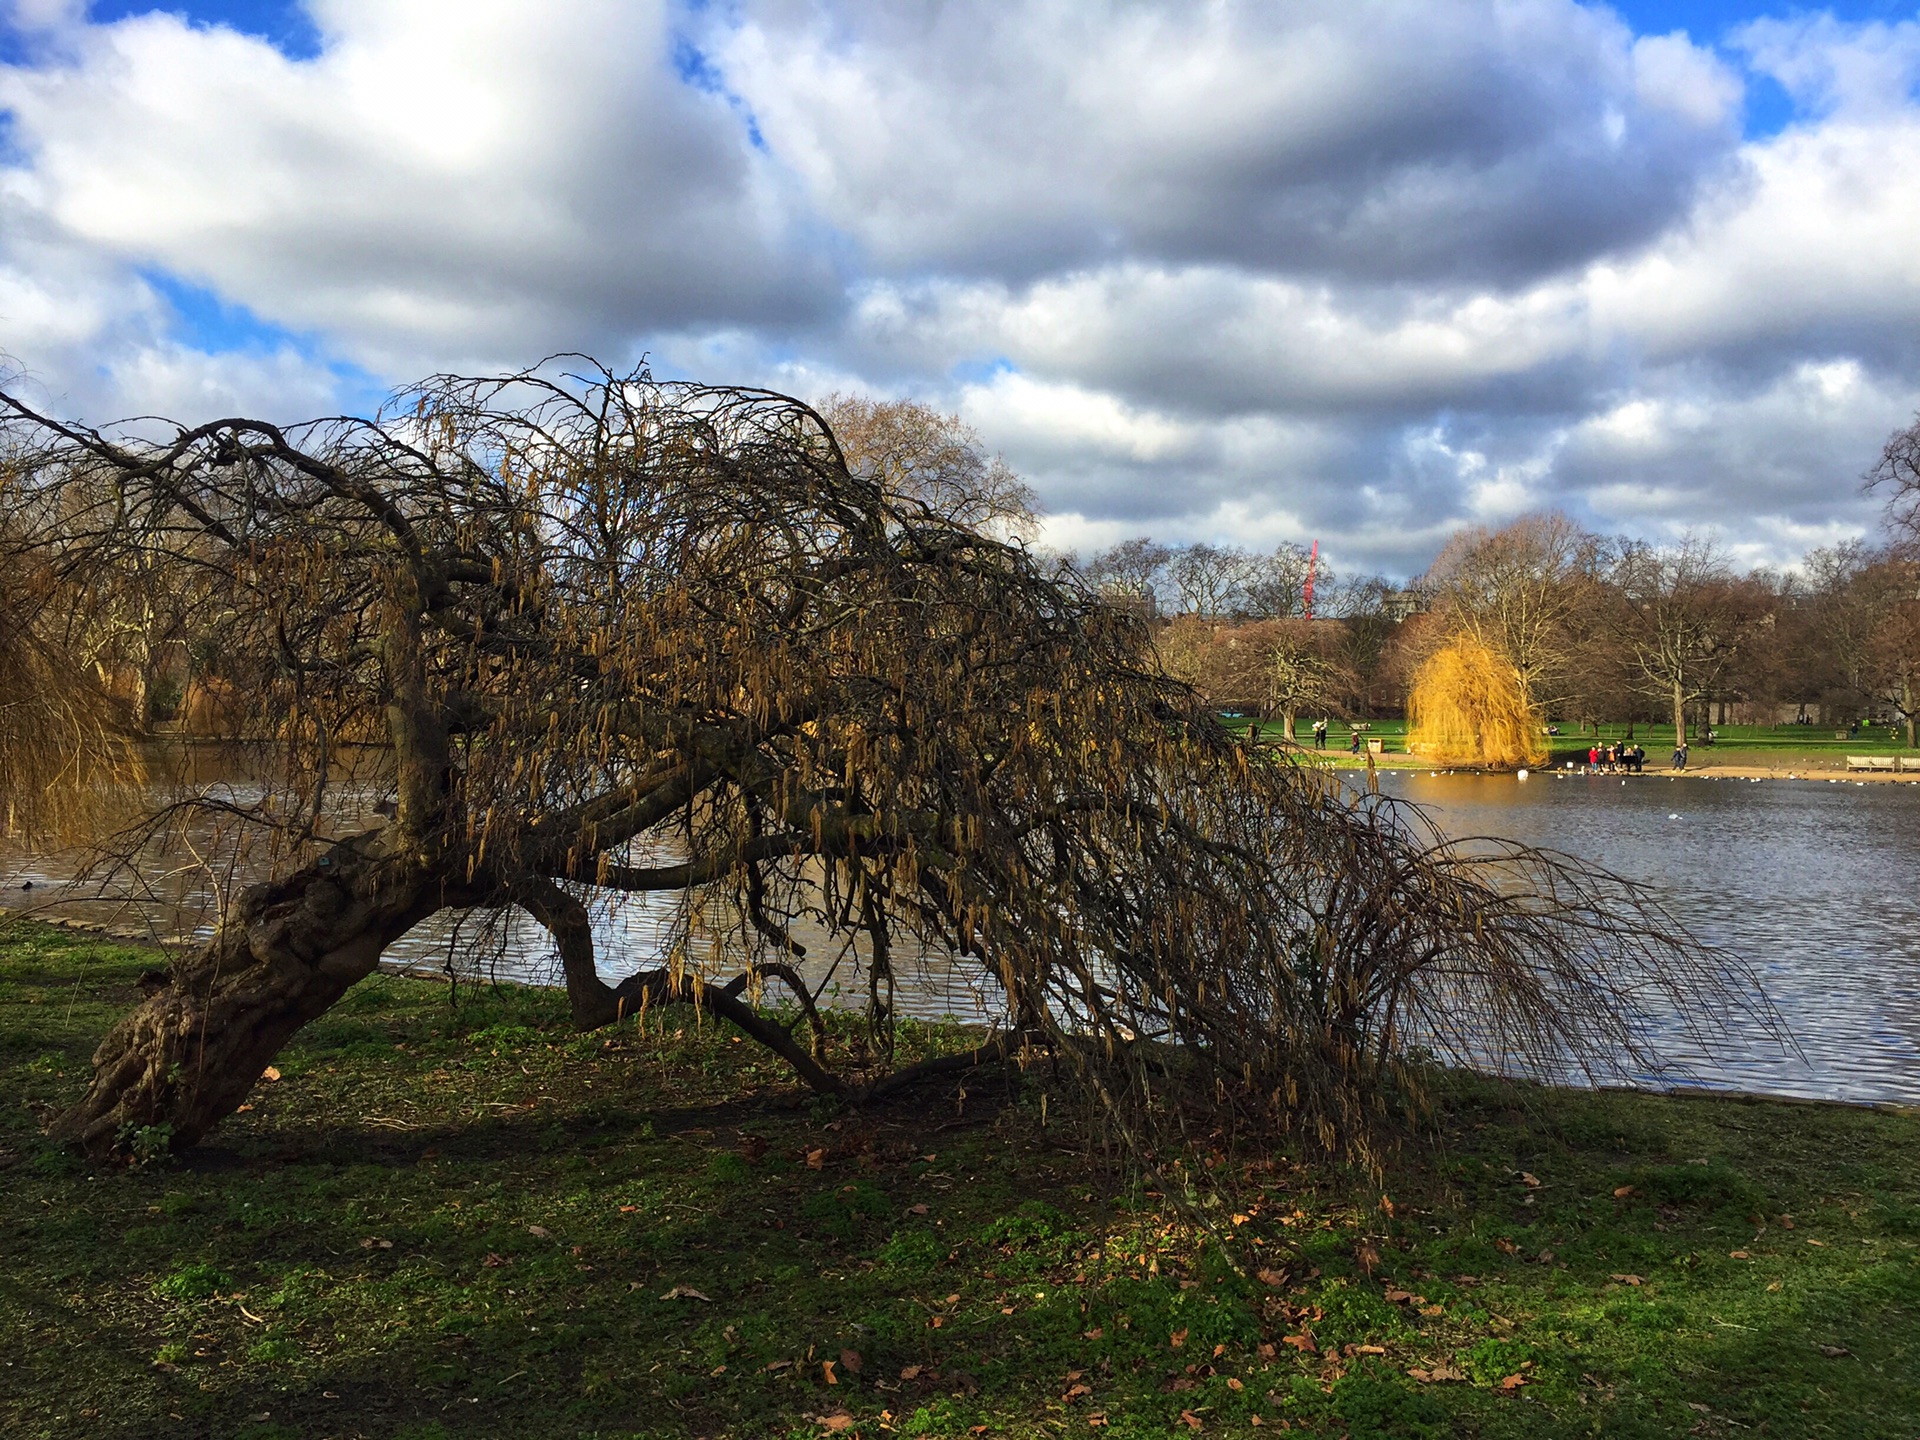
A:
(1376, 140)
(517, 178)
(1355, 272)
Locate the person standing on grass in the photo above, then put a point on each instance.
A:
(1680, 755)
(1354, 748)
(1320, 734)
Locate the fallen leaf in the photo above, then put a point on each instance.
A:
(1218, 1351)
(816, 1159)
(1438, 1375)
(1513, 1382)
(1399, 1297)
(1177, 1339)
(686, 1292)
(1193, 1420)
(1369, 1349)
(1506, 1246)
(850, 1361)
(1241, 1219)
(1738, 1255)
(1097, 1333)
(910, 1372)
(1773, 1287)
(1532, 1182)
(1096, 1421)
(492, 1261)
(1367, 1255)
(1821, 1243)
(1786, 1222)
(1433, 1309)
(628, 1209)
(1621, 1192)
(270, 1073)
(1074, 1392)
(1302, 1342)
(916, 1209)
(953, 1299)
(539, 1231)
(836, 1422)
(1233, 1383)
(243, 1109)
(1628, 1279)
(716, 1370)
(375, 1243)
(1275, 1278)
(826, 1368)
(778, 1364)
(1834, 1352)
(251, 1316)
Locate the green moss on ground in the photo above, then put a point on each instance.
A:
(447, 1222)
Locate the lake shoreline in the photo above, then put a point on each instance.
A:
(1696, 770)
(413, 970)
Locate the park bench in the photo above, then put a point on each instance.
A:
(1873, 762)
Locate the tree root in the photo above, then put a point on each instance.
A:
(643, 991)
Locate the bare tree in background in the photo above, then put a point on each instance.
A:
(1210, 579)
(1276, 584)
(916, 452)
(1893, 657)
(1131, 570)
(1294, 666)
(610, 636)
(1521, 591)
(1689, 617)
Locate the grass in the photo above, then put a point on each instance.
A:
(467, 1221)
(1779, 747)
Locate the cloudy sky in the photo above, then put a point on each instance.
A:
(1359, 272)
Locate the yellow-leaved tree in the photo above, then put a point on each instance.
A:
(1469, 707)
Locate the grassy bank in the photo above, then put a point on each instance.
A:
(1751, 748)
(465, 1221)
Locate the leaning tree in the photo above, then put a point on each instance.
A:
(609, 635)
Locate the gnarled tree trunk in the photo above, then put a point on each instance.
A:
(186, 1058)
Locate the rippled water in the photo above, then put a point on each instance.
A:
(1816, 884)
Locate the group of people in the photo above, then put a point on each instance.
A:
(1616, 758)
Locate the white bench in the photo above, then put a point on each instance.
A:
(1875, 762)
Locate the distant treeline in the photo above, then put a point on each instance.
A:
(1596, 627)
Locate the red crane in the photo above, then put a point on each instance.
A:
(1306, 595)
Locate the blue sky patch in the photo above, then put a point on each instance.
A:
(283, 24)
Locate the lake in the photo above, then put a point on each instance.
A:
(1814, 883)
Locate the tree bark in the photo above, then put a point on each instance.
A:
(1679, 716)
(187, 1057)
